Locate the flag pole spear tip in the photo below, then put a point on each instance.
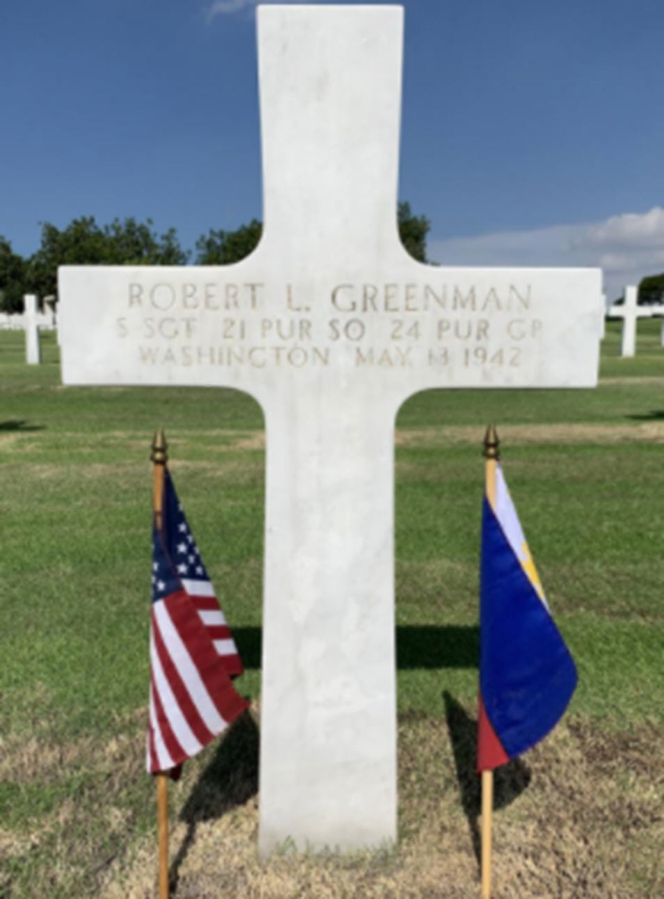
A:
(159, 447)
(491, 444)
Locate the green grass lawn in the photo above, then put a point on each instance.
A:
(585, 471)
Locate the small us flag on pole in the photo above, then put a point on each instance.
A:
(180, 548)
(192, 652)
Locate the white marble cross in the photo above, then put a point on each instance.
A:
(331, 326)
(32, 344)
(630, 312)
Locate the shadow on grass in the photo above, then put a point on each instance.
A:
(418, 646)
(437, 646)
(14, 424)
(230, 780)
(509, 781)
(655, 415)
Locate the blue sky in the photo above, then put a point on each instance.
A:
(532, 132)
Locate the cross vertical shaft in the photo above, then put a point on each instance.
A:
(328, 772)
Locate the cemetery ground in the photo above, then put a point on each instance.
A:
(581, 815)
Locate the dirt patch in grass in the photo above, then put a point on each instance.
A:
(24, 441)
(254, 441)
(643, 379)
(646, 432)
(580, 816)
(25, 760)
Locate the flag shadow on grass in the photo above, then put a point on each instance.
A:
(230, 780)
(17, 424)
(509, 781)
(418, 646)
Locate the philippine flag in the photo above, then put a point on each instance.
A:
(527, 675)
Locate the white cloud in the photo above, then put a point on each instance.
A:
(626, 247)
(228, 7)
(224, 7)
(628, 231)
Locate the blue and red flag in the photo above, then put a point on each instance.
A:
(192, 652)
(527, 675)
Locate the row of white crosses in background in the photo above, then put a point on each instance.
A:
(16, 321)
(630, 311)
(31, 321)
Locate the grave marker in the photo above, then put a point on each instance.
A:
(602, 332)
(330, 325)
(49, 310)
(32, 345)
(630, 312)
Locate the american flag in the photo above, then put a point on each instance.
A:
(192, 652)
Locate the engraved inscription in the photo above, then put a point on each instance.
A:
(209, 295)
(386, 325)
(425, 297)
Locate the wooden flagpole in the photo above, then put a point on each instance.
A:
(159, 459)
(487, 821)
(491, 455)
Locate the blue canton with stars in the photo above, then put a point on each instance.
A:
(174, 552)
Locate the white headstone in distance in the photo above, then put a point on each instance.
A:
(657, 311)
(628, 343)
(32, 345)
(49, 309)
(331, 326)
(630, 312)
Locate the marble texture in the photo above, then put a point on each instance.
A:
(330, 325)
(32, 344)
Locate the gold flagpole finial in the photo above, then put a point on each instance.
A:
(159, 447)
(491, 444)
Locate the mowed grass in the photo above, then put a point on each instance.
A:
(580, 815)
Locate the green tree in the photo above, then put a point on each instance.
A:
(651, 289)
(224, 247)
(413, 230)
(84, 242)
(136, 243)
(13, 278)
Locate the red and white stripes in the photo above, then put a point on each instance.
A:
(203, 597)
(192, 698)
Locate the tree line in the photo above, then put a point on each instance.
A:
(129, 242)
(651, 289)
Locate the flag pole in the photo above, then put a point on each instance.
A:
(159, 458)
(491, 455)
